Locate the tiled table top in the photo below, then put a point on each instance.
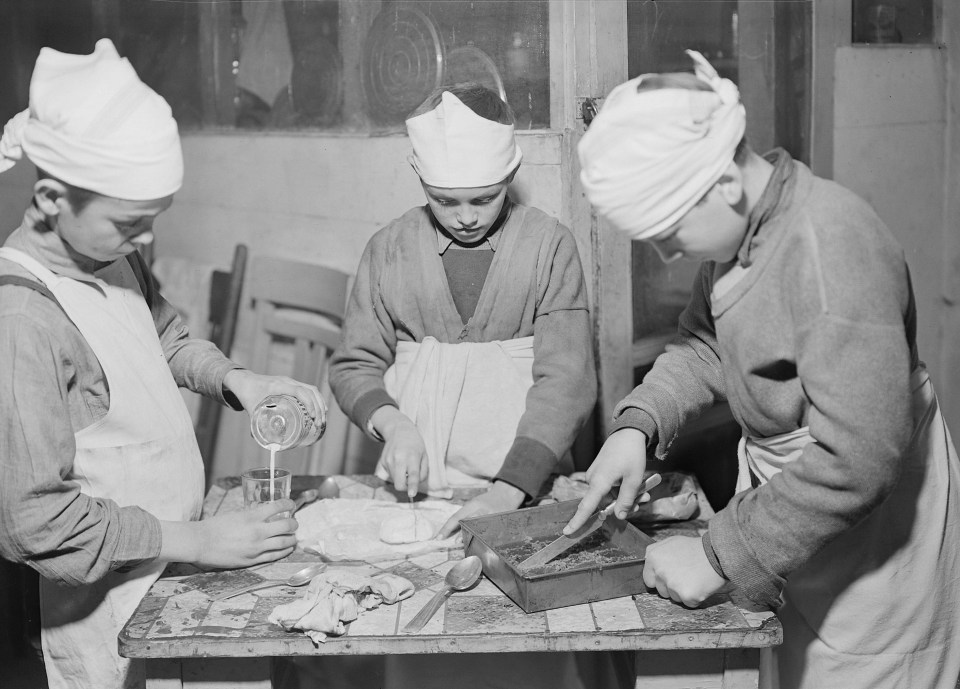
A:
(176, 620)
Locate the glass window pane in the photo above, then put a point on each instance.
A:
(317, 65)
(161, 40)
(892, 21)
(342, 65)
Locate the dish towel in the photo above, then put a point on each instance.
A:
(335, 598)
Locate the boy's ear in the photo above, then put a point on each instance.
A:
(730, 185)
(46, 195)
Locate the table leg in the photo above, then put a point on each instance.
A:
(706, 669)
(208, 673)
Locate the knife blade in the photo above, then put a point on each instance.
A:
(559, 546)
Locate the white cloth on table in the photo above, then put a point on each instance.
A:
(335, 598)
(350, 529)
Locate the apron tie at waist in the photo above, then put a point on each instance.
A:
(759, 459)
(466, 400)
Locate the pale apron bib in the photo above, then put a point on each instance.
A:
(142, 452)
(466, 400)
(878, 608)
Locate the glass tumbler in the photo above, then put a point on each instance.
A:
(259, 486)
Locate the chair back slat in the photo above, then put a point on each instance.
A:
(298, 310)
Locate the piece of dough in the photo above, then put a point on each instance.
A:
(410, 527)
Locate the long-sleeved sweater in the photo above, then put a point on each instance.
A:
(51, 386)
(820, 332)
(534, 287)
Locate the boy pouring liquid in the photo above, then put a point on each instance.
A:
(802, 318)
(102, 478)
(467, 346)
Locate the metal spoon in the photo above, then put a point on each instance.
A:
(305, 498)
(304, 576)
(329, 488)
(461, 576)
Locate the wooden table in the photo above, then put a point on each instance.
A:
(189, 641)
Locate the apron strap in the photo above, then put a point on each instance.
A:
(35, 285)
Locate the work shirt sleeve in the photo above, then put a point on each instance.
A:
(367, 346)
(196, 364)
(564, 389)
(45, 521)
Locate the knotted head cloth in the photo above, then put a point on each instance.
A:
(649, 156)
(92, 123)
(454, 147)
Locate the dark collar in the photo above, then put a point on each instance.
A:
(491, 240)
(778, 186)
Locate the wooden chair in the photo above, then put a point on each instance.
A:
(298, 312)
(224, 306)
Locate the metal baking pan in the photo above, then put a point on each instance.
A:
(493, 537)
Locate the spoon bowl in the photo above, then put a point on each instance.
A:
(464, 574)
(329, 488)
(461, 576)
(298, 578)
(305, 498)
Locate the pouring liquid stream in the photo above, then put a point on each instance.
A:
(273, 447)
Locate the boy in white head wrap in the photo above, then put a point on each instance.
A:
(803, 319)
(467, 345)
(102, 478)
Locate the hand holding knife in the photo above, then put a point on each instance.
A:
(594, 522)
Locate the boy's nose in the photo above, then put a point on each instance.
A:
(467, 218)
(143, 238)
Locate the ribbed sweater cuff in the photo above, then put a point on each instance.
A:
(528, 465)
(632, 417)
(711, 555)
(737, 561)
(368, 403)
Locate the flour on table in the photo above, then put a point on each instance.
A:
(357, 529)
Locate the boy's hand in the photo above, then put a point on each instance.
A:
(404, 454)
(250, 389)
(500, 498)
(233, 539)
(623, 458)
(678, 568)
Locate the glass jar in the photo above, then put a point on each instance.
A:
(281, 422)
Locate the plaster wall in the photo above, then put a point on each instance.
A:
(890, 126)
(949, 388)
(311, 198)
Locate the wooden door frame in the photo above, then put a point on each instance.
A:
(588, 57)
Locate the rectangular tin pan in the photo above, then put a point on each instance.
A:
(487, 536)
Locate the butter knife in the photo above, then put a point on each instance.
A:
(594, 522)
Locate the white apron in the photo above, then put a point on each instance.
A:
(878, 608)
(466, 400)
(142, 452)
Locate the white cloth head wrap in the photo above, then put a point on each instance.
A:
(650, 156)
(92, 123)
(454, 147)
